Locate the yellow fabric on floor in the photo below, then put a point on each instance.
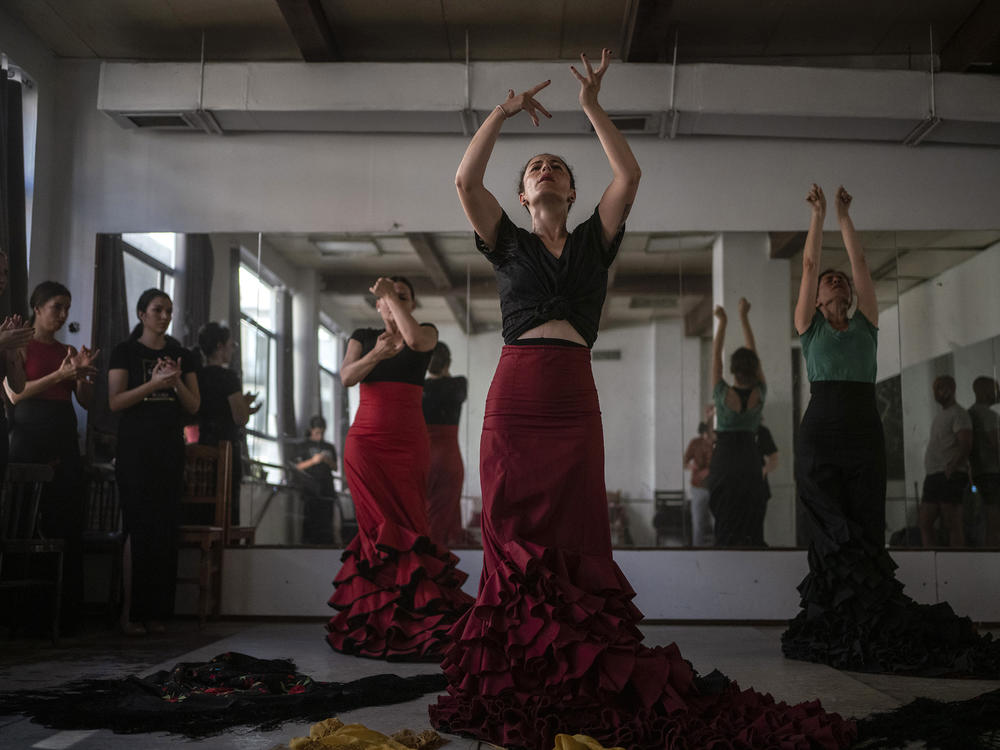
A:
(333, 733)
(580, 742)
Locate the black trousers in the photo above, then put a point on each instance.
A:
(149, 470)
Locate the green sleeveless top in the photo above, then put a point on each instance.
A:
(727, 420)
(840, 355)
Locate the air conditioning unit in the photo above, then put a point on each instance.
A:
(199, 120)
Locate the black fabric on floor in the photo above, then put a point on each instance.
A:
(205, 698)
(972, 724)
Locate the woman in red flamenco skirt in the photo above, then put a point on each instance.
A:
(552, 643)
(397, 592)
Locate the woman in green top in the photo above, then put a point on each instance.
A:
(854, 613)
(735, 481)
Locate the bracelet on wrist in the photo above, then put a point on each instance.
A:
(502, 111)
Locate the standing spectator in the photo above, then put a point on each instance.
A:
(985, 456)
(153, 382)
(318, 460)
(225, 409)
(43, 431)
(946, 463)
(769, 462)
(697, 459)
(442, 405)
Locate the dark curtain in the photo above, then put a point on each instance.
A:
(199, 266)
(13, 239)
(110, 326)
(286, 370)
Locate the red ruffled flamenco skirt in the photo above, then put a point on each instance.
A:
(551, 644)
(444, 485)
(398, 593)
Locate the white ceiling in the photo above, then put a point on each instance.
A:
(656, 275)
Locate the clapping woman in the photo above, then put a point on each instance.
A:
(43, 429)
(152, 382)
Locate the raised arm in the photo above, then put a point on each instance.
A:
(805, 308)
(419, 338)
(863, 284)
(748, 340)
(619, 195)
(481, 207)
(717, 344)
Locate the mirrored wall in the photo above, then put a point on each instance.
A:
(294, 299)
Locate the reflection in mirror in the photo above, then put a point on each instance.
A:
(297, 298)
(948, 326)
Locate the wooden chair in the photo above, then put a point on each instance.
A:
(670, 517)
(103, 533)
(21, 542)
(207, 493)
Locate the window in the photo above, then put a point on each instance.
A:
(149, 261)
(259, 349)
(332, 398)
(29, 134)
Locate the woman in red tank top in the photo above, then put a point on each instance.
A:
(43, 429)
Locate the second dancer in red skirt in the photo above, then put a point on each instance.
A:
(397, 592)
(552, 644)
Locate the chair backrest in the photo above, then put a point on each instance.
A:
(103, 507)
(20, 500)
(663, 499)
(208, 479)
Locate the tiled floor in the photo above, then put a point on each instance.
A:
(750, 655)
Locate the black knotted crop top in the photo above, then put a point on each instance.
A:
(536, 287)
(408, 366)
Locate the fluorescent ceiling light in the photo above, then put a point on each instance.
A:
(679, 243)
(346, 246)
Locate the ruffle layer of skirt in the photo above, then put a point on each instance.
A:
(552, 647)
(397, 596)
(855, 616)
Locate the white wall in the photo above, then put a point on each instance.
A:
(112, 180)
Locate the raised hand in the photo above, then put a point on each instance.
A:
(590, 85)
(720, 313)
(744, 307)
(817, 200)
(843, 202)
(525, 102)
(383, 287)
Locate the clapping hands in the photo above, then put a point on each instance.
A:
(14, 334)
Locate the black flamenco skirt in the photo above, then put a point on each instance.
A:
(854, 614)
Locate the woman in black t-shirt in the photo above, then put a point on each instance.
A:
(397, 592)
(224, 407)
(152, 381)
